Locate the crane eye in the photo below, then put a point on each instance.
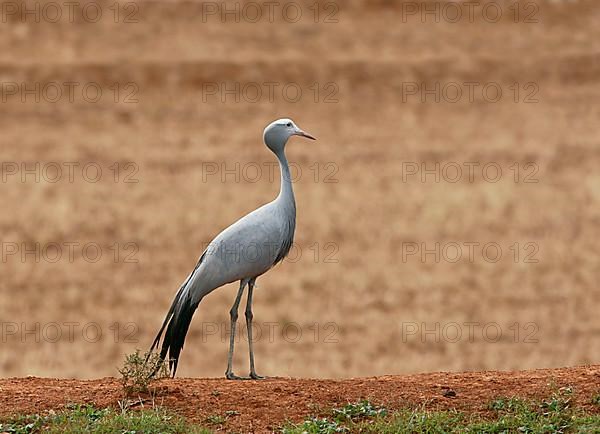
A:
(289, 124)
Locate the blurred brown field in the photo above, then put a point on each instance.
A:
(458, 234)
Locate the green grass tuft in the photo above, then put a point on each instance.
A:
(315, 425)
(360, 410)
(80, 419)
(510, 415)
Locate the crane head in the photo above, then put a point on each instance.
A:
(277, 133)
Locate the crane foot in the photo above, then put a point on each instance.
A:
(232, 376)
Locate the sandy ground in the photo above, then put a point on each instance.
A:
(264, 406)
(357, 299)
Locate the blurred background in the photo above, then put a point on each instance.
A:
(448, 215)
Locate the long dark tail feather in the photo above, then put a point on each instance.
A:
(165, 322)
(176, 332)
(177, 323)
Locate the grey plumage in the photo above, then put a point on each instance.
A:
(243, 251)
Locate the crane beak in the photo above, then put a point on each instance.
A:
(304, 134)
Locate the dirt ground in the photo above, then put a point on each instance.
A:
(266, 405)
(356, 300)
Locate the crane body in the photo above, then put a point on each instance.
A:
(243, 251)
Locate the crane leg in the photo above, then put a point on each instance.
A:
(233, 315)
(249, 317)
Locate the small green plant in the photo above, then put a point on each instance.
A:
(215, 419)
(359, 410)
(139, 370)
(343, 420)
(508, 405)
(423, 421)
(23, 425)
(555, 404)
(596, 399)
(316, 425)
(498, 404)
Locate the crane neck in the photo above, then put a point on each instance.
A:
(286, 192)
